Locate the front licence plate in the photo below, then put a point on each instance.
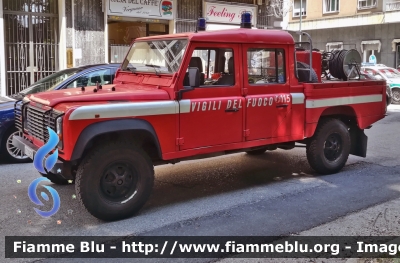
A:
(29, 152)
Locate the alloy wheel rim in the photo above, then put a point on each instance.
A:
(12, 150)
(396, 95)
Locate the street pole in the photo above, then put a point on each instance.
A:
(301, 17)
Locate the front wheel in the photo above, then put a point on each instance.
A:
(396, 96)
(11, 152)
(115, 180)
(329, 148)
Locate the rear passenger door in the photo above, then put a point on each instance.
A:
(212, 114)
(268, 100)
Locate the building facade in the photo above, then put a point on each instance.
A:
(40, 37)
(370, 26)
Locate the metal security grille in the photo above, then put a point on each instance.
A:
(31, 41)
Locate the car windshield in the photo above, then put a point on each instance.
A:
(158, 56)
(390, 73)
(50, 82)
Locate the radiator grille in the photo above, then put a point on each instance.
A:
(37, 120)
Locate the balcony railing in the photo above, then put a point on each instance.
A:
(393, 5)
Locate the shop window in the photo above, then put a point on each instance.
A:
(216, 66)
(331, 6)
(266, 66)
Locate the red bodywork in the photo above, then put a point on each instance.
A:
(199, 123)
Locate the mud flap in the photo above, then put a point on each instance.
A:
(359, 142)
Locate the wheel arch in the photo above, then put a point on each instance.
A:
(139, 130)
(348, 116)
(7, 127)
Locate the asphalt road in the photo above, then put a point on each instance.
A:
(273, 194)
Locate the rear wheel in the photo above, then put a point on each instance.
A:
(9, 151)
(396, 96)
(329, 148)
(115, 180)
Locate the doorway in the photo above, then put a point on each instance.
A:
(31, 41)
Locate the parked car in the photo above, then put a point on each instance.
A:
(392, 77)
(68, 78)
(389, 95)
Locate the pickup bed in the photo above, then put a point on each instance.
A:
(196, 95)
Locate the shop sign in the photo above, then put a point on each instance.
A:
(156, 9)
(222, 12)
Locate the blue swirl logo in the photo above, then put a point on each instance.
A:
(49, 162)
(34, 198)
(44, 150)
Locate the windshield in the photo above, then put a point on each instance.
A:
(50, 82)
(390, 73)
(159, 56)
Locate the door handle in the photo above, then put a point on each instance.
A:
(232, 110)
(282, 106)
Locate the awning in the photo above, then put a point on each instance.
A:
(394, 42)
(334, 45)
(371, 45)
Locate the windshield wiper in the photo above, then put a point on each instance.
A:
(155, 68)
(131, 68)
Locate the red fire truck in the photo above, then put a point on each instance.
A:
(166, 106)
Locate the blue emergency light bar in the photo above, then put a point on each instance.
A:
(201, 24)
(246, 20)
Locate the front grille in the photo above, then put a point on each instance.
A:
(38, 120)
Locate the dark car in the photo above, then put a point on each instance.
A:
(68, 78)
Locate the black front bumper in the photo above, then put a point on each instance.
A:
(30, 150)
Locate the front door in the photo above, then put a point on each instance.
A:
(212, 114)
(31, 41)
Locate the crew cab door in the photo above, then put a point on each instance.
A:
(268, 101)
(212, 114)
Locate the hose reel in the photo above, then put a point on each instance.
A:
(341, 64)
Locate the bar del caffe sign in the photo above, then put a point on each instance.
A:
(156, 9)
(222, 12)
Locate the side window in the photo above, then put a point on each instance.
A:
(102, 76)
(266, 66)
(216, 66)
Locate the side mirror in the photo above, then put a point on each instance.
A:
(194, 77)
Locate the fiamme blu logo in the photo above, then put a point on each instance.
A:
(44, 165)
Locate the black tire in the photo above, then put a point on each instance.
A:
(304, 75)
(323, 154)
(396, 96)
(7, 153)
(257, 152)
(115, 180)
(56, 178)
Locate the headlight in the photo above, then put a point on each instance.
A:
(59, 122)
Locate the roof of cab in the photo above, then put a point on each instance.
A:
(240, 35)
